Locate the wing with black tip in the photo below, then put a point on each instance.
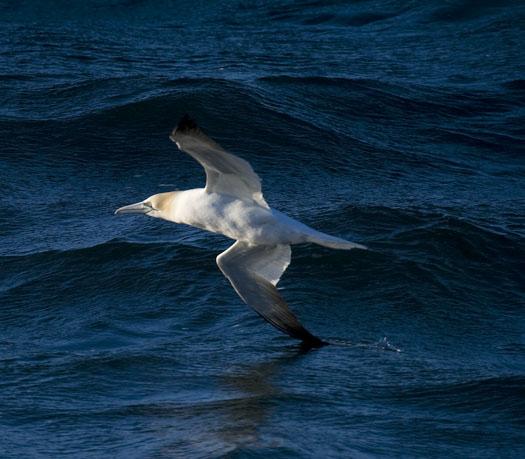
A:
(254, 272)
(225, 173)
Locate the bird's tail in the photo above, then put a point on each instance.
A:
(333, 242)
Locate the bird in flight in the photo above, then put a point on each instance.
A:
(232, 204)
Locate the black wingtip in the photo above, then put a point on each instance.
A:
(308, 341)
(186, 124)
(315, 343)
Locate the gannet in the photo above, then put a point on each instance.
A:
(232, 204)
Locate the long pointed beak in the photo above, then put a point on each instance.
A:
(138, 208)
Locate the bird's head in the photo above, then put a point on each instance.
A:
(158, 206)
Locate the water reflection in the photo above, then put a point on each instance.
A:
(257, 389)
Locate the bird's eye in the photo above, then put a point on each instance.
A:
(149, 206)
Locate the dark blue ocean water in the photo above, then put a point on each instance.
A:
(399, 125)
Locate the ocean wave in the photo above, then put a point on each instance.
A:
(81, 99)
(97, 98)
(425, 99)
(119, 265)
(499, 397)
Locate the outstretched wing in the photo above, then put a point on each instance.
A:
(225, 173)
(254, 271)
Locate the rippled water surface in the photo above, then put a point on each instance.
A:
(399, 125)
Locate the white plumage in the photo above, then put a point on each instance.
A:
(232, 204)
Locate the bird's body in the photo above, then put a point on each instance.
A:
(232, 204)
(235, 218)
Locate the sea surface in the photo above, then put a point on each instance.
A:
(396, 124)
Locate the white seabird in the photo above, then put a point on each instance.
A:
(232, 204)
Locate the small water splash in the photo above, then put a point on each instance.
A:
(385, 345)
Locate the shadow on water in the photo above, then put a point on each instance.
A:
(259, 392)
(255, 382)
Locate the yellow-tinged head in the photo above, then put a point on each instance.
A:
(158, 206)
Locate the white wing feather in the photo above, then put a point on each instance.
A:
(253, 271)
(225, 173)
